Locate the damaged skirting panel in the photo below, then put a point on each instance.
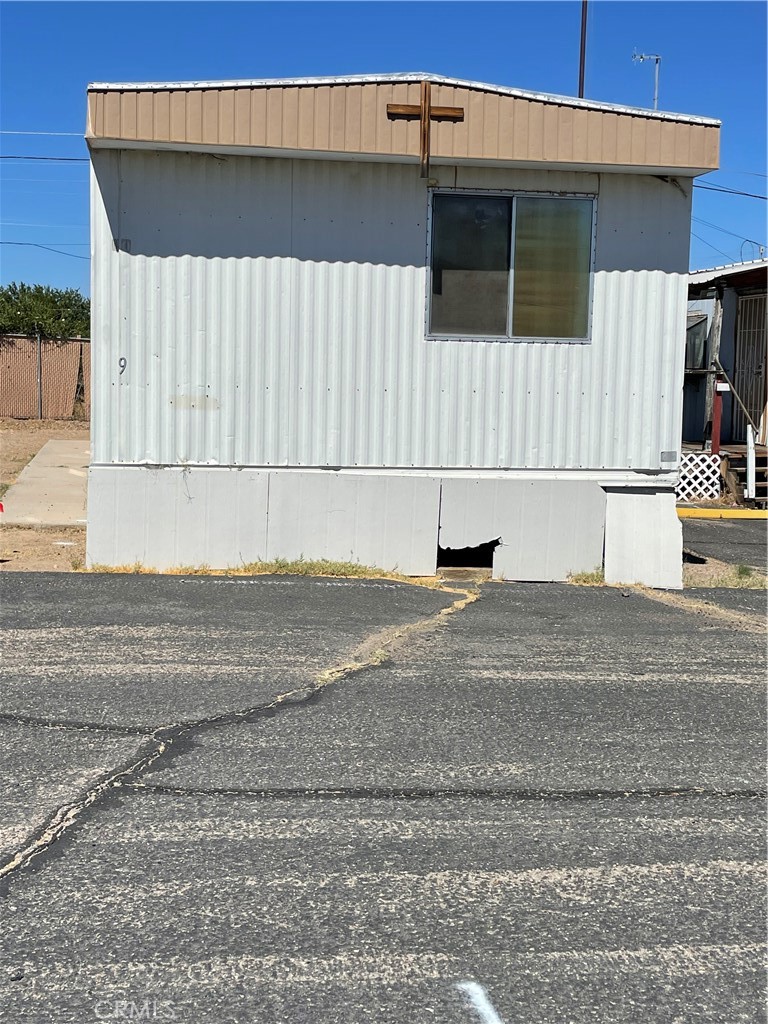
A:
(222, 517)
(548, 529)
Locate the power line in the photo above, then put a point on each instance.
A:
(85, 160)
(752, 174)
(55, 159)
(730, 258)
(730, 191)
(725, 231)
(79, 135)
(8, 242)
(43, 192)
(29, 224)
(76, 135)
(37, 245)
(53, 181)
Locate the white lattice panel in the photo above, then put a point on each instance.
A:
(699, 476)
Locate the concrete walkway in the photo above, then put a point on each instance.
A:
(51, 490)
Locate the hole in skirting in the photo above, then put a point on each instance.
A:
(478, 557)
(691, 558)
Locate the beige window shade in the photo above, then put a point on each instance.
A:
(552, 256)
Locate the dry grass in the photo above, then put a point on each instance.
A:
(714, 573)
(711, 573)
(596, 578)
(278, 567)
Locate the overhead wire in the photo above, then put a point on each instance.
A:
(85, 160)
(725, 231)
(70, 159)
(730, 258)
(76, 135)
(752, 174)
(729, 191)
(16, 242)
(53, 159)
(48, 248)
(53, 181)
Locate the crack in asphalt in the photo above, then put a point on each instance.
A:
(433, 793)
(372, 652)
(69, 725)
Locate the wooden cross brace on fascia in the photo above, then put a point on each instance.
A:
(426, 113)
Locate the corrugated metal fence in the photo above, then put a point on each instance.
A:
(44, 379)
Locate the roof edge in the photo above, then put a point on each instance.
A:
(726, 270)
(411, 76)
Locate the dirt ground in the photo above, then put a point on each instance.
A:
(24, 548)
(21, 440)
(714, 573)
(42, 549)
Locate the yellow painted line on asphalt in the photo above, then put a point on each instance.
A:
(721, 513)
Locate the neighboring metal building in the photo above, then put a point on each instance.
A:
(375, 317)
(734, 298)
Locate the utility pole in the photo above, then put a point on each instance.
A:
(583, 52)
(640, 57)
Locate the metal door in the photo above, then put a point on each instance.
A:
(749, 375)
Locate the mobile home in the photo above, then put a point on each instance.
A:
(386, 319)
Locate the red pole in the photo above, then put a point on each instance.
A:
(717, 416)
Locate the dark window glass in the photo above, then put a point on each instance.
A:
(551, 268)
(470, 265)
(696, 344)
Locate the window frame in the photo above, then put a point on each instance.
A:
(512, 194)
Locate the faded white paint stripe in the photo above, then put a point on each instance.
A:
(476, 996)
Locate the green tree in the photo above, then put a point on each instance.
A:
(54, 312)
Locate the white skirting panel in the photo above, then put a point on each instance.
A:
(548, 529)
(166, 518)
(643, 539)
(387, 521)
(222, 517)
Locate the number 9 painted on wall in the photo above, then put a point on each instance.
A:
(122, 363)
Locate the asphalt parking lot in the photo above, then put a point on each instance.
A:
(304, 800)
(737, 541)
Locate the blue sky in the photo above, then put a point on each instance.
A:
(714, 63)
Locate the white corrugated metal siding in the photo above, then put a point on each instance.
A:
(271, 313)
